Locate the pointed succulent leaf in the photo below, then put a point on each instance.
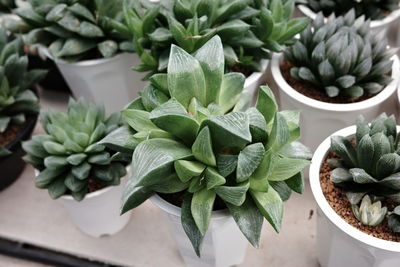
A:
(248, 161)
(201, 207)
(202, 148)
(235, 195)
(186, 170)
(213, 178)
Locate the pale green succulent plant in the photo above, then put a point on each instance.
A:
(68, 157)
(250, 29)
(371, 166)
(371, 9)
(17, 100)
(371, 214)
(194, 135)
(74, 29)
(342, 57)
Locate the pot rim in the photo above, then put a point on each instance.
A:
(174, 210)
(256, 75)
(339, 222)
(305, 10)
(386, 92)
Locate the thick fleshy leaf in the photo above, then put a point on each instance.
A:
(392, 181)
(189, 225)
(340, 175)
(231, 89)
(235, 195)
(270, 205)
(138, 120)
(296, 183)
(248, 161)
(57, 188)
(258, 126)
(280, 133)
(249, 219)
(266, 103)
(73, 184)
(186, 170)
(226, 164)
(296, 150)
(211, 59)
(137, 195)
(201, 207)
(387, 164)
(344, 149)
(202, 148)
(185, 77)
(55, 162)
(121, 140)
(213, 178)
(169, 185)
(282, 189)
(81, 171)
(46, 176)
(286, 168)
(361, 177)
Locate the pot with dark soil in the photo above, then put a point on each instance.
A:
(335, 71)
(354, 178)
(216, 170)
(19, 106)
(77, 170)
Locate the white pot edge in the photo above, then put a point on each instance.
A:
(176, 211)
(95, 193)
(323, 204)
(255, 76)
(373, 101)
(374, 23)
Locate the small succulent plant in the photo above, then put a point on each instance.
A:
(249, 30)
(74, 30)
(17, 100)
(195, 136)
(371, 9)
(371, 214)
(68, 156)
(371, 166)
(342, 57)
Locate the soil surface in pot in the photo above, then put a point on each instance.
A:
(243, 70)
(311, 91)
(176, 199)
(338, 201)
(94, 185)
(11, 133)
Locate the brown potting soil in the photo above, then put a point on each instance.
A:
(338, 201)
(11, 133)
(176, 199)
(245, 71)
(311, 91)
(94, 185)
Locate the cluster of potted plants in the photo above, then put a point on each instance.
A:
(192, 142)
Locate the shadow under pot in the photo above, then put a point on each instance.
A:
(320, 119)
(11, 166)
(223, 245)
(338, 242)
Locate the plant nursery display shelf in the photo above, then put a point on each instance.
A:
(29, 217)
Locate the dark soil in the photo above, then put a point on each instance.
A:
(339, 202)
(245, 71)
(176, 199)
(11, 133)
(94, 185)
(314, 92)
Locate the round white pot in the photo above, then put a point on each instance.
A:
(376, 25)
(98, 213)
(223, 245)
(108, 81)
(320, 119)
(338, 243)
(256, 78)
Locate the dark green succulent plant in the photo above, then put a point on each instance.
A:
(249, 29)
(194, 136)
(17, 100)
(371, 9)
(68, 156)
(369, 167)
(342, 57)
(74, 29)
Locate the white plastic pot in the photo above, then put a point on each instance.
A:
(376, 25)
(223, 245)
(98, 213)
(320, 119)
(256, 78)
(108, 81)
(339, 243)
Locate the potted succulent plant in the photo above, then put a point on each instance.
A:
(207, 160)
(335, 71)
(19, 106)
(382, 14)
(76, 170)
(81, 37)
(249, 30)
(354, 178)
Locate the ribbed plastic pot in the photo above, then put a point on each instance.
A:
(320, 119)
(12, 166)
(338, 243)
(256, 78)
(223, 245)
(109, 81)
(376, 25)
(97, 214)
